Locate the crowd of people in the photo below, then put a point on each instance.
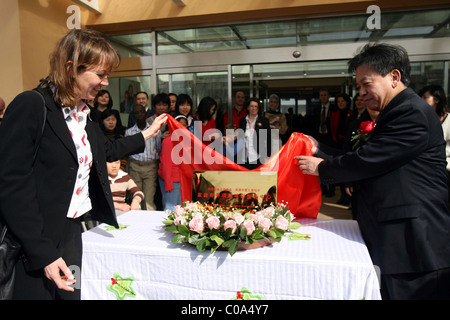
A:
(333, 124)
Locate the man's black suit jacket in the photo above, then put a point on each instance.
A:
(34, 199)
(402, 199)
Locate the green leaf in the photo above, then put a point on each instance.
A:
(201, 246)
(232, 245)
(217, 240)
(168, 222)
(173, 228)
(271, 233)
(214, 249)
(194, 239)
(228, 233)
(243, 233)
(179, 238)
(182, 229)
(294, 225)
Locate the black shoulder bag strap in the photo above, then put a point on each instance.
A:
(43, 124)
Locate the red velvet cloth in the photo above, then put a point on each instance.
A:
(300, 192)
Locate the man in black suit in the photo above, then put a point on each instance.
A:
(322, 131)
(142, 99)
(402, 209)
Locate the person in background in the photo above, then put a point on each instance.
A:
(126, 106)
(102, 102)
(121, 184)
(359, 108)
(111, 126)
(184, 107)
(322, 131)
(257, 136)
(401, 172)
(339, 126)
(169, 173)
(160, 104)
(239, 111)
(205, 113)
(141, 98)
(277, 121)
(143, 167)
(173, 102)
(434, 95)
(43, 199)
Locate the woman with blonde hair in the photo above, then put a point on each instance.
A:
(44, 198)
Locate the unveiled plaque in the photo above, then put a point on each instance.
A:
(244, 189)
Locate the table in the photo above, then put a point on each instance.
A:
(325, 259)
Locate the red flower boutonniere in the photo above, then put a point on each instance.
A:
(259, 124)
(364, 132)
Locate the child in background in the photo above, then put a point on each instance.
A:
(120, 182)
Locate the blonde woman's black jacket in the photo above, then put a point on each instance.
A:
(34, 199)
(402, 199)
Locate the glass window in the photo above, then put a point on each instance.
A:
(124, 89)
(426, 73)
(328, 30)
(197, 86)
(132, 45)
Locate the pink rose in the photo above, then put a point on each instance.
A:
(230, 224)
(239, 218)
(248, 224)
(179, 211)
(254, 217)
(268, 212)
(265, 223)
(180, 220)
(197, 225)
(213, 222)
(281, 223)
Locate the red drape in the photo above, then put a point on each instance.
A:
(301, 192)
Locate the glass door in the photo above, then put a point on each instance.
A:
(197, 85)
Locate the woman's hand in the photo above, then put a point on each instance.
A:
(62, 282)
(155, 127)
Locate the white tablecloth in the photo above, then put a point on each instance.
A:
(139, 261)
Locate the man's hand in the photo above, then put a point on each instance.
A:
(309, 165)
(52, 272)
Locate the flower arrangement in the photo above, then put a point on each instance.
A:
(208, 226)
(364, 133)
